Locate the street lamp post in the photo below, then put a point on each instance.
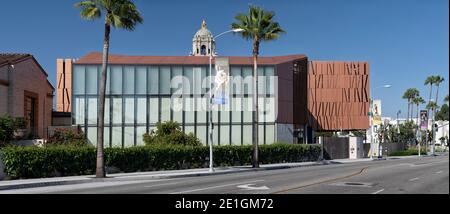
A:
(210, 128)
(371, 120)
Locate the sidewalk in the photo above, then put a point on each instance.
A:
(41, 182)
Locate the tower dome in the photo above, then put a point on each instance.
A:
(203, 42)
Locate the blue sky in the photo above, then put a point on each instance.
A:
(403, 40)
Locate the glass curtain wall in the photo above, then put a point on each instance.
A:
(137, 97)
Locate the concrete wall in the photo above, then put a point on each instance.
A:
(335, 147)
(285, 132)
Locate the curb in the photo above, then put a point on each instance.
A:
(144, 177)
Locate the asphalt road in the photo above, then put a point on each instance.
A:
(422, 175)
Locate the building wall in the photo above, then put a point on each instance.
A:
(338, 95)
(3, 90)
(140, 96)
(63, 85)
(27, 77)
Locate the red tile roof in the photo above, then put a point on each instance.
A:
(96, 58)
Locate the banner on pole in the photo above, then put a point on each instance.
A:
(423, 120)
(222, 68)
(376, 111)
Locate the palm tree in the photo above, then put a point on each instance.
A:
(437, 81)
(418, 100)
(430, 81)
(119, 14)
(409, 94)
(446, 99)
(258, 25)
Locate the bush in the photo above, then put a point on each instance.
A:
(169, 132)
(67, 137)
(408, 152)
(35, 162)
(7, 127)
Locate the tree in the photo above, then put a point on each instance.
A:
(443, 113)
(430, 81)
(446, 99)
(121, 14)
(258, 25)
(418, 100)
(169, 132)
(409, 94)
(437, 81)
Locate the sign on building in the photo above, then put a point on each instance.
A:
(221, 80)
(423, 120)
(377, 112)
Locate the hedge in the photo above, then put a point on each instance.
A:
(35, 162)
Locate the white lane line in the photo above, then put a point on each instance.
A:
(214, 187)
(161, 184)
(413, 179)
(381, 190)
(438, 172)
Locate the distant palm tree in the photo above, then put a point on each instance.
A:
(409, 95)
(258, 25)
(430, 81)
(437, 81)
(119, 14)
(446, 99)
(418, 100)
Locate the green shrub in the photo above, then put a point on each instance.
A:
(67, 137)
(35, 162)
(169, 132)
(7, 127)
(408, 152)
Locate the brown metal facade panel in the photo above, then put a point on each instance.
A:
(63, 85)
(338, 95)
(96, 58)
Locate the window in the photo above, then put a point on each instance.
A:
(92, 111)
(154, 110)
(79, 110)
(248, 135)
(141, 110)
(165, 109)
(117, 110)
(92, 135)
(236, 135)
(117, 136)
(91, 79)
(141, 80)
(224, 135)
(128, 80)
(203, 50)
(129, 110)
(140, 131)
(116, 80)
(164, 82)
(153, 80)
(78, 80)
(128, 136)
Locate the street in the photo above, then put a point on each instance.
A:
(411, 175)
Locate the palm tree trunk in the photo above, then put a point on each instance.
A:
(407, 115)
(437, 93)
(255, 159)
(429, 100)
(100, 171)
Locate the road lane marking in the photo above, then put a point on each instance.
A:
(215, 187)
(248, 187)
(161, 184)
(381, 190)
(438, 172)
(413, 179)
(321, 182)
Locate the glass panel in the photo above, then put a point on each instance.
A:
(270, 134)
(153, 80)
(177, 109)
(117, 136)
(270, 109)
(91, 80)
(141, 80)
(106, 140)
(270, 79)
(188, 73)
(78, 80)
(202, 109)
(116, 80)
(164, 82)
(154, 110)
(201, 134)
(92, 135)
(197, 80)
(248, 135)
(117, 110)
(108, 78)
(261, 110)
(129, 136)
(92, 110)
(247, 107)
(247, 74)
(140, 130)
(107, 106)
(165, 109)
(225, 135)
(236, 83)
(216, 135)
(261, 81)
(236, 135)
(260, 134)
(141, 110)
(204, 80)
(215, 111)
(189, 110)
(237, 110)
(189, 129)
(128, 81)
(129, 110)
(79, 110)
(225, 113)
(177, 82)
